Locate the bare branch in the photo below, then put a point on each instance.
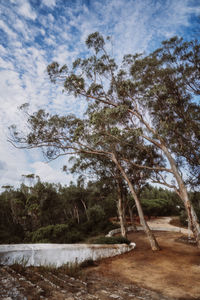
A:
(147, 167)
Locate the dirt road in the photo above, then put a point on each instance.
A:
(174, 271)
(165, 223)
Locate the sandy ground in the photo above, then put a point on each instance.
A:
(174, 271)
(165, 222)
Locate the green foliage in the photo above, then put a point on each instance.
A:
(96, 214)
(47, 213)
(60, 233)
(159, 202)
(111, 240)
(37, 213)
(157, 207)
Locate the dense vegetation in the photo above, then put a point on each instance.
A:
(46, 212)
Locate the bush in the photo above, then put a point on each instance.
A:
(60, 233)
(111, 240)
(96, 214)
(183, 218)
(11, 235)
(87, 263)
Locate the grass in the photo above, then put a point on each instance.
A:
(71, 269)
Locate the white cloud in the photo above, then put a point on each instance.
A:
(7, 30)
(50, 41)
(21, 27)
(47, 173)
(26, 10)
(3, 50)
(50, 18)
(49, 3)
(15, 162)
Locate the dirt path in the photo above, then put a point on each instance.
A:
(174, 271)
(165, 222)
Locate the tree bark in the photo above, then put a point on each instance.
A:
(120, 207)
(183, 194)
(76, 213)
(85, 208)
(150, 235)
(131, 218)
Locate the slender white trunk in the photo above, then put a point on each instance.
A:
(85, 208)
(131, 218)
(120, 208)
(183, 194)
(76, 213)
(150, 235)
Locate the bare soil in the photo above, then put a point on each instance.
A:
(173, 271)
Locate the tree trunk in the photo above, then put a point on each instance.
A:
(131, 218)
(85, 208)
(150, 235)
(76, 214)
(182, 192)
(120, 208)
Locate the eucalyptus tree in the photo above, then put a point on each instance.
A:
(156, 95)
(97, 135)
(106, 172)
(74, 201)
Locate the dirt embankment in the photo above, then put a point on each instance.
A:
(35, 283)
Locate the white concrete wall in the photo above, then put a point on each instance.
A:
(58, 254)
(156, 228)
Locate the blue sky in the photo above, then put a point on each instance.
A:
(33, 33)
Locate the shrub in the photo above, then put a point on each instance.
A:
(183, 218)
(111, 240)
(87, 263)
(60, 233)
(11, 235)
(96, 214)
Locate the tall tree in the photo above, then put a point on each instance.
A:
(156, 94)
(95, 136)
(105, 171)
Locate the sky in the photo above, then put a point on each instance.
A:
(34, 33)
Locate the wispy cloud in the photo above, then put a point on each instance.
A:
(32, 36)
(26, 10)
(49, 3)
(7, 30)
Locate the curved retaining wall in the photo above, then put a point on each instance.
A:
(162, 228)
(58, 254)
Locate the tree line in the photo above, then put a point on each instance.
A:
(142, 121)
(46, 212)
